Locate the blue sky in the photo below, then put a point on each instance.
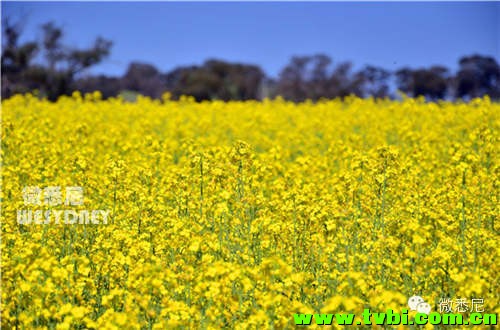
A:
(169, 34)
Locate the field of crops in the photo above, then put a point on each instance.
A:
(237, 215)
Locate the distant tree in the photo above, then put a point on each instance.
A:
(54, 52)
(314, 77)
(15, 59)
(293, 79)
(108, 86)
(176, 77)
(374, 81)
(61, 69)
(216, 79)
(477, 76)
(268, 88)
(345, 82)
(193, 81)
(433, 83)
(239, 81)
(81, 59)
(317, 84)
(145, 79)
(62, 64)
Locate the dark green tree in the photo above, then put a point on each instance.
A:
(62, 65)
(432, 83)
(477, 76)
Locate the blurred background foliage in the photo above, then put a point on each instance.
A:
(63, 70)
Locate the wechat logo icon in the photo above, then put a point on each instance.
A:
(417, 303)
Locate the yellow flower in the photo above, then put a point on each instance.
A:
(239, 214)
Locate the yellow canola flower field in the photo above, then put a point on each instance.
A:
(240, 214)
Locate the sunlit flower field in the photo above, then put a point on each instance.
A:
(238, 215)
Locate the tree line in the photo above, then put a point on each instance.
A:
(54, 69)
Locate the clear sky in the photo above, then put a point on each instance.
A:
(169, 34)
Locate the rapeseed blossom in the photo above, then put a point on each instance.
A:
(240, 214)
